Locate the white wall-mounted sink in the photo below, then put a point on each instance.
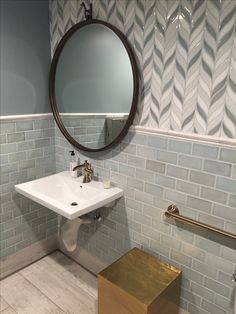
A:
(59, 192)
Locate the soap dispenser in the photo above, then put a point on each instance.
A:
(73, 164)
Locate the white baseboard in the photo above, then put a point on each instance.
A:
(27, 256)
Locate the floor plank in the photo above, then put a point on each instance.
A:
(73, 272)
(24, 298)
(3, 304)
(59, 288)
(8, 310)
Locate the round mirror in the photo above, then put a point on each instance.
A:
(93, 85)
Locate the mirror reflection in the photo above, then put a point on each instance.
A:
(94, 85)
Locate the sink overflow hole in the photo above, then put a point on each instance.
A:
(74, 204)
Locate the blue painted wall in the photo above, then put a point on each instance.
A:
(24, 56)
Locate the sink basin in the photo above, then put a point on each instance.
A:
(68, 196)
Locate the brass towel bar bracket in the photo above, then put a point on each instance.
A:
(173, 211)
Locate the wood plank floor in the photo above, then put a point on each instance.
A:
(52, 285)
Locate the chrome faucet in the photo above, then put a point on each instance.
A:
(88, 171)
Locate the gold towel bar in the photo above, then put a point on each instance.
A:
(173, 211)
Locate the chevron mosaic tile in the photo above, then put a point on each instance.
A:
(186, 51)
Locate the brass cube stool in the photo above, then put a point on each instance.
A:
(139, 283)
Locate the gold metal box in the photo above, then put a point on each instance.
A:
(139, 283)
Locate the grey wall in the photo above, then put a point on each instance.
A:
(24, 57)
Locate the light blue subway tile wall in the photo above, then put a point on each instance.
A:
(187, 55)
(150, 186)
(23, 158)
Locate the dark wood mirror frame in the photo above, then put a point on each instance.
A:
(52, 75)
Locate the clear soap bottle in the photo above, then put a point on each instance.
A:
(73, 164)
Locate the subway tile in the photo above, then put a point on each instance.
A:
(214, 195)
(4, 178)
(229, 253)
(162, 180)
(190, 162)
(159, 248)
(187, 187)
(152, 211)
(127, 170)
(225, 212)
(155, 166)
(193, 309)
(177, 172)
(3, 138)
(216, 286)
(153, 189)
(211, 308)
(190, 297)
(224, 303)
(151, 233)
(182, 234)
(228, 185)
(217, 167)
(160, 226)
(24, 125)
(202, 178)
(207, 245)
(13, 240)
(146, 152)
(136, 161)
(166, 157)
(193, 251)
(170, 242)
(211, 220)
(15, 137)
(35, 153)
(33, 135)
(118, 178)
(139, 238)
(199, 204)
(201, 291)
(145, 175)
(137, 184)
(7, 127)
(232, 200)
(129, 149)
(5, 169)
(139, 139)
(27, 145)
(228, 155)
(17, 157)
(181, 258)
(26, 164)
(157, 142)
(176, 197)
(204, 269)
(41, 124)
(120, 157)
(234, 172)
(179, 146)
(230, 227)
(42, 143)
(130, 203)
(3, 159)
(8, 148)
(203, 150)
(143, 197)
